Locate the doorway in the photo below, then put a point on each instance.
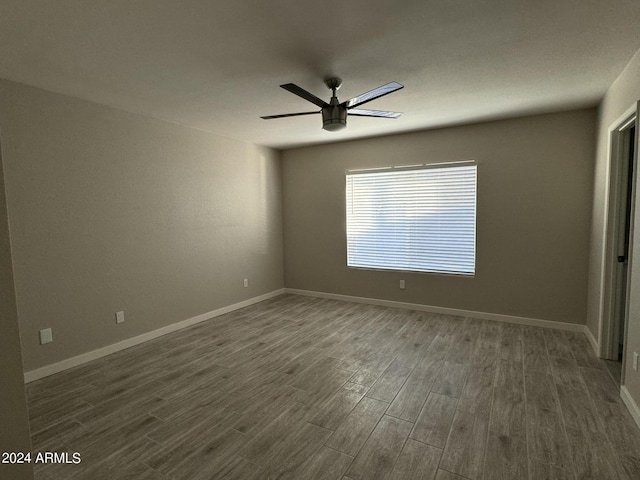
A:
(621, 195)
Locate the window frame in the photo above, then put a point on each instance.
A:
(423, 166)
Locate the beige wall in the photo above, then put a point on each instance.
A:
(534, 210)
(114, 211)
(14, 420)
(623, 94)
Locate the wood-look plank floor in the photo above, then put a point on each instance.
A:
(305, 388)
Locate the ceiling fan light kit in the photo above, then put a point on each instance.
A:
(334, 113)
(334, 118)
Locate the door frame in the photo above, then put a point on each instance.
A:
(618, 149)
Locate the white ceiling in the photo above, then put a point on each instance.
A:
(216, 64)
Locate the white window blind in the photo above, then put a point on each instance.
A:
(420, 218)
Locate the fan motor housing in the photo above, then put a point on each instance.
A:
(334, 118)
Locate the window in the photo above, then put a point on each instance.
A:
(420, 218)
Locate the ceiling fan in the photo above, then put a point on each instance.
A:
(334, 113)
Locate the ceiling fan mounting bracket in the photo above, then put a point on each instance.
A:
(333, 83)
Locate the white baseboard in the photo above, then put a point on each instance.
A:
(534, 322)
(631, 404)
(145, 337)
(130, 342)
(592, 341)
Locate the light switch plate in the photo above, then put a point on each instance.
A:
(46, 336)
(119, 317)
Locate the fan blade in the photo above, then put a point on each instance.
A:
(373, 94)
(269, 117)
(301, 92)
(373, 113)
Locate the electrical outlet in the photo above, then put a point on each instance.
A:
(120, 317)
(401, 284)
(635, 361)
(46, 336)
(245, 282)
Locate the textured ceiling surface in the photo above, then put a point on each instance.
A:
(217, 65)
